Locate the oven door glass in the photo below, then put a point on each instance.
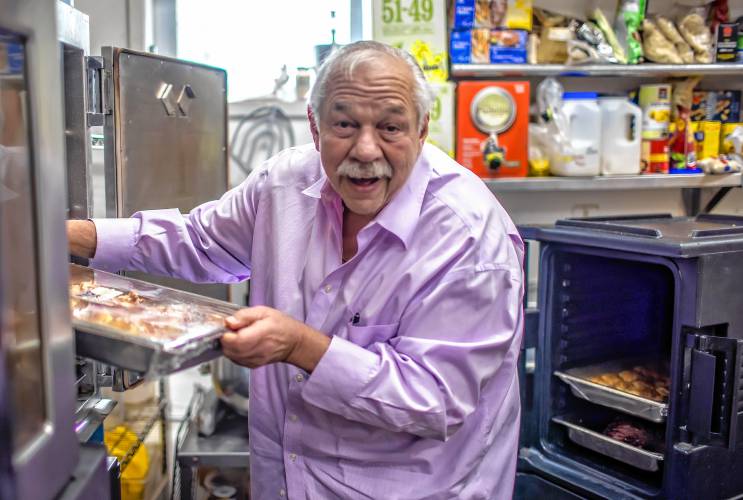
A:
(20, 332)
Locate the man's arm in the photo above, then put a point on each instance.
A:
(425, 381)
(82, 238)
(211, 244)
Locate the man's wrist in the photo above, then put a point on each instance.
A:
(82, 238)
(309, 348)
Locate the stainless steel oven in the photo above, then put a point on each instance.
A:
(36, 340)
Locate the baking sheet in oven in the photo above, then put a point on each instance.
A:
(580, 385)
(631, 455)
(142, 327)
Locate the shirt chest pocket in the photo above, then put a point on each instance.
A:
(365, 336)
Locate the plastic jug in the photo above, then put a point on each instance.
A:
(584, 116)
(621, 136)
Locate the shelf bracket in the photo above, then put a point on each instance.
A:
(692, 200)
(717, 198)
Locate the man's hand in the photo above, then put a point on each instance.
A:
(264, 335)
(82, 238)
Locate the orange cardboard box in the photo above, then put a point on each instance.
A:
(501, 107)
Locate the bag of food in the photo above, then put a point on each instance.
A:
(696, 33)
(554, 36)
(551, 133)
(669, 30)
(627, 25)
(611, 39)
(519, 15)
(589, 45)
(656, 46)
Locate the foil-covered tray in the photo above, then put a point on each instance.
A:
(631, 455)
(581, 385)
(149, 329)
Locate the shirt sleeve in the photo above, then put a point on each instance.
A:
(428, 378)
(211, 244)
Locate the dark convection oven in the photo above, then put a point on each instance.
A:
(632, 369)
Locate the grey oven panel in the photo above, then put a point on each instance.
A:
(36, 175)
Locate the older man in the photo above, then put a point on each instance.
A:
(386, 288)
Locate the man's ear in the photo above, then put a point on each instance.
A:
(313, 127)
(424, 129)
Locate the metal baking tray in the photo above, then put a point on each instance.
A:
(630, 455)
(577, 380)
(189, 344)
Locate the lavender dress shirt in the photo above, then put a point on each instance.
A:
(417, 396)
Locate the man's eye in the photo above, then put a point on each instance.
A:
(391, 128)
(343, 124)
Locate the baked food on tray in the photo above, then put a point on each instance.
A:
(133, 313)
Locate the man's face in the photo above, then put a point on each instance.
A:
(368, 134)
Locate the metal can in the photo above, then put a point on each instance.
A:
(655, 156)
(655, 101)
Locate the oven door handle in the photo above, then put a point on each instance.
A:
(715, 411)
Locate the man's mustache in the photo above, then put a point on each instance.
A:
(359, 170)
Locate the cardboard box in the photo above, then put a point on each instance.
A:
(460, 44)
(699, 105)
(709, 132)
(470, 46)
(723, 106)
(508, 46)
(479, 14)
(421, 31)
(726, 42)
(441, 123)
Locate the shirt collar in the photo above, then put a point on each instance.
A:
(401, 214)
(315, 190)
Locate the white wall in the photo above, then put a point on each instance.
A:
(118, 23)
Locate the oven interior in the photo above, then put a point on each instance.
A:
(604, 308)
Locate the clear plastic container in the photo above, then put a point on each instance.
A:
(584, 118)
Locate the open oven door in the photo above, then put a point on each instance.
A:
(712, 374)
(165, 138)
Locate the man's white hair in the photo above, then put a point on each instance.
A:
(344, 61)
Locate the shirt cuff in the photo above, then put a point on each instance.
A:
(343, 371)
(115, 243)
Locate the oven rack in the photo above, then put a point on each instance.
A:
(140, 424)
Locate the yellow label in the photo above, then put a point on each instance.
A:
(711, 140)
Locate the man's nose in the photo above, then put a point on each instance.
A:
(367, 148)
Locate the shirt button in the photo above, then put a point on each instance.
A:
(299, 377)
(327, 288)
(292, 457)
(293, 417)
(282, 492)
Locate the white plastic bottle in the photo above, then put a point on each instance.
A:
(584, 118)
(621, 136)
